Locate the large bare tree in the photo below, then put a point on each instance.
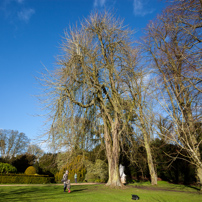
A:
(173, 42)
(89, 83)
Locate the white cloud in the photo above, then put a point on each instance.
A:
(140, 8)
(5, 3)
(100, 3)
(13, 10)
(26, 14)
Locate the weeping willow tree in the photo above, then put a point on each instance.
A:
(88, 87)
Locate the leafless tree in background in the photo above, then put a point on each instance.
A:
(173, 43)
(12, 143)
(35, 150)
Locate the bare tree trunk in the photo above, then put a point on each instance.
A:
(113, 153)
(152, 172)
(142, 120)
(199, 175)
(114, 177)
(150, 161)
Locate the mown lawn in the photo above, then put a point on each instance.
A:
(168, 186)
(99, 193)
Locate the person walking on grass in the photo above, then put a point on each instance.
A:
(66, 181)
(75, 177)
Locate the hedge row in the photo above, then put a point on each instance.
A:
(25, 179)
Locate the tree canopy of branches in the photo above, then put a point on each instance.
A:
(12, 142)
(35, 150)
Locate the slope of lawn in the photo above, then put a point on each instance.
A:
(168, 186)
(99, 193)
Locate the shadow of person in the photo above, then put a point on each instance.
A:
(77, 190)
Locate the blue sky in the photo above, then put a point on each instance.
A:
(30, 37)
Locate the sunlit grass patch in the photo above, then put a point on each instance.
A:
(93, 193)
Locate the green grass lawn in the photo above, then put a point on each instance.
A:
(99, 193)
(170, 186)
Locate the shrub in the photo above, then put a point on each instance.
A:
(31, 170)
(96, 172)
(74, 166)
(48, 164)
(90, 177)
(7, 168)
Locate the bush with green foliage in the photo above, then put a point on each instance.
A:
(96, 172)
(31, 170)
(74, 166)
(7, 168)
(48, 164)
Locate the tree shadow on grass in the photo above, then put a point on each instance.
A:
(194, 187)
(24, 194)
(34, 193)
